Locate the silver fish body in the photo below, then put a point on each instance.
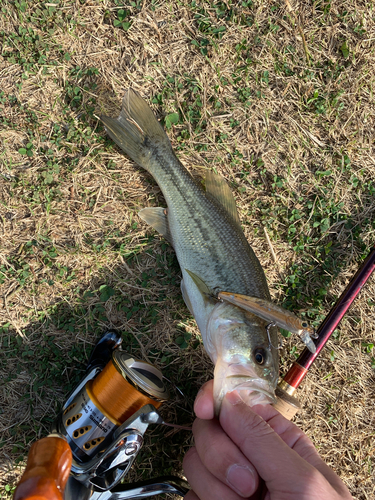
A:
(205, 231)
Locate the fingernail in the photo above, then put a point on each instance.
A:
(241, 479)
(198, 396)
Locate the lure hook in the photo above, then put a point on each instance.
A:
(314, 335)
(270, 345)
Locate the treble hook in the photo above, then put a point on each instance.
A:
(268, 327)
(314, 335)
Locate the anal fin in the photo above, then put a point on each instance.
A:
(158, 219)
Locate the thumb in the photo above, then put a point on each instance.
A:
(277, 464)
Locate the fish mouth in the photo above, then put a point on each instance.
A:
(252, 391)
(243, 378)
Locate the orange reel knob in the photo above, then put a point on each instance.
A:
(47, 470)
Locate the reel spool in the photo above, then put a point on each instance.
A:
(123, 387)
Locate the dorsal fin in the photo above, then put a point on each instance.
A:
(217, 187)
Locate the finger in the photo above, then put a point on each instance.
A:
(190, 495)
(288, 432)
(223, 459)
(296, 439)
(277, 463)
(203, 483)
(204, 402)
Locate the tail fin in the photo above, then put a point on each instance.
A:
(136, 131)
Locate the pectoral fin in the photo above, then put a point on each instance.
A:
(185, 296)
(157, 218)
(217, 187)
(201, 285)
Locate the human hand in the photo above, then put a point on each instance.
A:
(254, 453)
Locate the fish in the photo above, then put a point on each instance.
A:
(203, 226)
(274, 314)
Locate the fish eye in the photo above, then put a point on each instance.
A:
(260, 356)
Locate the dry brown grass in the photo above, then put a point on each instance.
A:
(279, 134)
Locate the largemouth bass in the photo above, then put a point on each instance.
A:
(213, 253)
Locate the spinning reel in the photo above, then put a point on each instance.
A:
(103, 421)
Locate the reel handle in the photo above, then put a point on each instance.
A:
(47, 470)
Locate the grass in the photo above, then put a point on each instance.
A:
(277, 98)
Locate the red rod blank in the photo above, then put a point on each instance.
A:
(299, 369)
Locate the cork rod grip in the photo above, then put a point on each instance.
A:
(286, 404)
(47, 470)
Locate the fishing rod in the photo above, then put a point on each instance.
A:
(287, 404)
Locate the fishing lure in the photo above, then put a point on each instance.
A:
(271, 312)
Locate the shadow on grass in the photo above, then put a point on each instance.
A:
(42, 363)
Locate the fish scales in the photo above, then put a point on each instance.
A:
(198, 240)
